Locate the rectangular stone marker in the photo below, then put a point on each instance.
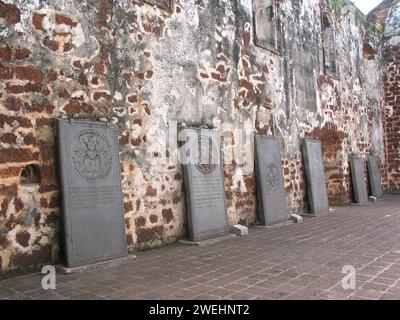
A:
(92, 194)
(375, 177)
(357, 165)
(204, 181)
(272, 206)
(266, 15)
(316, 185)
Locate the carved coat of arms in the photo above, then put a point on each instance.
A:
(272, 178)
(206, 161)
(92, 155)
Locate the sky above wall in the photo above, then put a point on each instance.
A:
(366, 5)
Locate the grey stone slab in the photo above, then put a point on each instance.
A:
(272, 206)
(375, 177)
(316, 185)
(357, 167)
(277, 225)
(204, 183)
(91, 191)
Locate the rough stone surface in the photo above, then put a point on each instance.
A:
(388, 15)
(141, 66)
(357, 165)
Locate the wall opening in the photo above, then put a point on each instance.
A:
(329, 51)
(30, 175)
(369, 52)
(267, 25)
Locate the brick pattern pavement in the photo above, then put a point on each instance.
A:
(293, 262)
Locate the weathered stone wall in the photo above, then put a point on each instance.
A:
(388, 14)
(143, 67)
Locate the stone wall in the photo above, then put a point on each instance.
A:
(388, 14)
(147, 64)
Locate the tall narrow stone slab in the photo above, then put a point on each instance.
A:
(205, 188)
(316, 185)
(357, 166)
(375, 177)
(272, 206)
(91, 192)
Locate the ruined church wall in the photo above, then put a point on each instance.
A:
(144, 68)
(391, 63)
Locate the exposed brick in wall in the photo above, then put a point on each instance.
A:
(392, 125)
(142, 66)
(337, 172)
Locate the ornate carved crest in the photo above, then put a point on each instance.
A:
(206, 162)
(272, 178)
(92, 155)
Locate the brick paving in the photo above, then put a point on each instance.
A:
(294, 262)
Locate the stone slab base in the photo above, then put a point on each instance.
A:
(316, 215)
(296, 218)
(207, 241)
(277, 225)
(100, 265)
(361, 204)
(239, 230)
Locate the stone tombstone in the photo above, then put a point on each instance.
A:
(316, 185)
(204, 181)
(272, 206)
(374, 177)
(357, 165)
(91, 191)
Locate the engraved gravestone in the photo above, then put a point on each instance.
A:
(272, 207)
(92, 194)
(374, 177)
(204, 185)
(357, 165)
(316, 185)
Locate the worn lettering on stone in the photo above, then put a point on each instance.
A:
(272, 206)
(205, 188)
(91, 183)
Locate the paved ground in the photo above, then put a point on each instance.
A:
(293, 262)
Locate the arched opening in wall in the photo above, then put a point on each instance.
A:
(369, 52)
(337, 180)
(30, 175)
